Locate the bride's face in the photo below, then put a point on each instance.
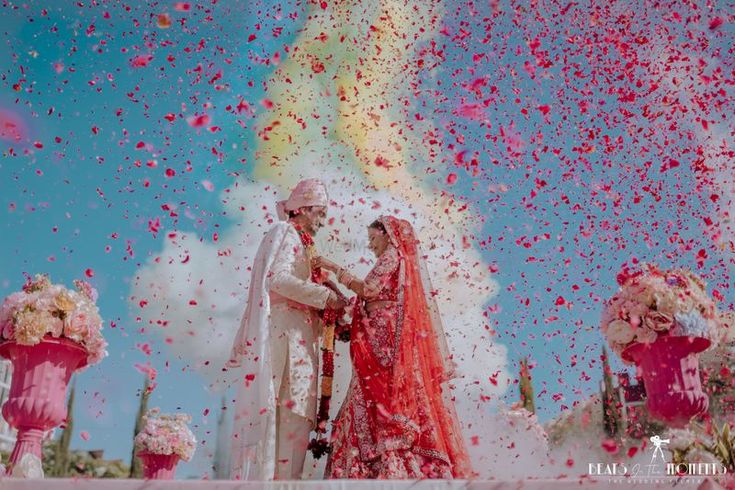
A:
(377, 241)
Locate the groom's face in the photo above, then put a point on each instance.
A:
(314, 217)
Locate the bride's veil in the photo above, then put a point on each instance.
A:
(400, 233)
(424, 355)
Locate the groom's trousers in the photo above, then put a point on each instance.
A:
(292, 433)
(294, 350)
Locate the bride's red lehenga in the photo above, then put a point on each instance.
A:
(396, 422)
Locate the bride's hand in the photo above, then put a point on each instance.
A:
(324, 263)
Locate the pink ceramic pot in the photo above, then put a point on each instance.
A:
(159, 466)
(37, 398)
(670, 370)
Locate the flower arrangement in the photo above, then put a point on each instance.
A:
(43, 308)
(653, 302)
(166, 434)
(527, 422)
(704, 444)
(727, 334)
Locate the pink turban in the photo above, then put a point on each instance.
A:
(309, 192)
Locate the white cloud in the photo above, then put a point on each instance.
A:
(216, 276)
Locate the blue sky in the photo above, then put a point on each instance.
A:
(74, 198)
(81, 203)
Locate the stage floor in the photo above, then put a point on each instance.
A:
(91, 484)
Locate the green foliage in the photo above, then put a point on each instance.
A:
(136, 466)
(526, 387)
(61, 463)
(610, 400)
(723, 446)
(82, 464)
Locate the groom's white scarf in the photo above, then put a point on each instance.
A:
(254, 435)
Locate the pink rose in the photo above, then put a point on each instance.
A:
(76, 327)
(620, 332)
(657, 321)
(7, 330)
(645, 335)
(55, 327)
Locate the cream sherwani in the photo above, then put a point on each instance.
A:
(295, 300)
(277, 347)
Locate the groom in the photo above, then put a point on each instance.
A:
(277, 344)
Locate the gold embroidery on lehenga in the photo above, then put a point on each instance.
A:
(399, 308)
(378, 334)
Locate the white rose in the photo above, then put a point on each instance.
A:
(669, 303)
(643, 294)
(633, 308)
(620, 332)
(681, 439)
(645, 335)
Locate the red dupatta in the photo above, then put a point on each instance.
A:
(422, 362)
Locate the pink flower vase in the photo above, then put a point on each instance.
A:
(670, 371)
(159, 466)
(37, 398)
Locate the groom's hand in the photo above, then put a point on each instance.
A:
(333, 286)
(324, 263)
(334, 302)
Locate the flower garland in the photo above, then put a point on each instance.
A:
(319, 445)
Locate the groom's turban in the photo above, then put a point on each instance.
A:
(309, 192)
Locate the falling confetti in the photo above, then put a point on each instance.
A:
(542, 153)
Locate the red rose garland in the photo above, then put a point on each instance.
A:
(320, 446)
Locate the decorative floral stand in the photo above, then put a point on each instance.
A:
(670, 371)
(37, 398)
(159, 466)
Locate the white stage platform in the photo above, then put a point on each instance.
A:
(580, 484)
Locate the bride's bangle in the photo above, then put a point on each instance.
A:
(345, 277)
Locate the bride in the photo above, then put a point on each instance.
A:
(396, 421)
